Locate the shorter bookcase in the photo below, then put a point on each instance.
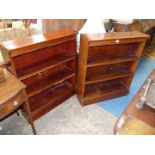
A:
(107, 63)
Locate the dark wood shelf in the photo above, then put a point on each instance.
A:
(50, 98)
(38, 67)
(48, 80)
(103, 91)
(109, 75)
(104, 60)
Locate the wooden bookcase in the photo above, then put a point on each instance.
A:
(46, 64)
(107, 63)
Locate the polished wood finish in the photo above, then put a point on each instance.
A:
(105, 90)
(10, 87)
(13, 96)
(2, 77)
(146, 114)
(107, 63)
(48, 78)
(112, 37)
(107, 72)
(10, 107)
(134, 126)
(53, 96)
(46, 64)
(30, 43)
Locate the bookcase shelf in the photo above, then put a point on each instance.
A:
(108, 72)
(107, 63)
(50, 98)
(46, 64)
(103, 60)
(48, 78)
(104, 90)
(45, 59)
(109, 76)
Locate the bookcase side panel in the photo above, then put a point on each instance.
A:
(82, 67)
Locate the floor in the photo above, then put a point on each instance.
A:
(68, 118)
(116, 106)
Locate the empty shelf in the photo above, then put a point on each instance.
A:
(105, 90)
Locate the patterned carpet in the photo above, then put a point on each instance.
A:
(67, 118)
(149, 52)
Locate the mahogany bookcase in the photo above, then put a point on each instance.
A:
(46, 64)
(107, 63)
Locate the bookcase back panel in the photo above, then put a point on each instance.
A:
(118, 50)
(32, 61)
(107, 68)
(71, 64)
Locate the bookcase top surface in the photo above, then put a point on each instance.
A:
(115, 35)
(39, 39)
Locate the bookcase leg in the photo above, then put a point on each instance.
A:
(17, 113)
(27, 110)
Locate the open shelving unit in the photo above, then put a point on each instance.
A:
(107, 63)
(46, 64)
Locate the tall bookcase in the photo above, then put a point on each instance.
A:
(46, 64)
(107, 63)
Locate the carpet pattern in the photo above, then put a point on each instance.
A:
(149, 52)
(67, 118)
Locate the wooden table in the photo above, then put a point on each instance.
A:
(134, 126)
(13, 96)
(137, 121)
